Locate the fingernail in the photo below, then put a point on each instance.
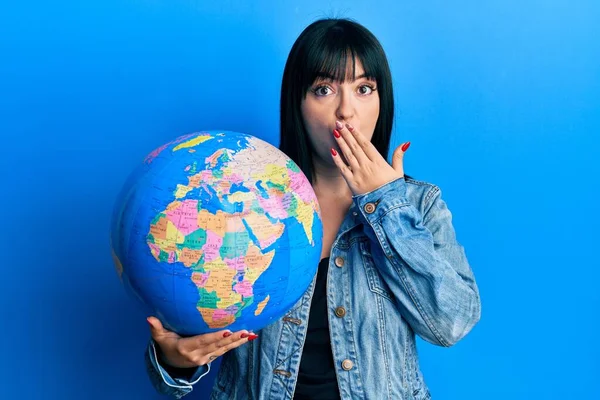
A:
(350, 127)
(148, 321)
(227, 334)
(336, 133)
(338, 125)
(405, 146)
(252, 337)
(333, 152)
(244, 335)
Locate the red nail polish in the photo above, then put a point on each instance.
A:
(405, 146)
(244, 335)
(333, 152)
(350, 127)
(252, 337)
(227, 334)
(336, 133)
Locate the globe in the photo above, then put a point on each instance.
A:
(215, 230)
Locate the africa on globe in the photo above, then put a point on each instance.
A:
(216, 230)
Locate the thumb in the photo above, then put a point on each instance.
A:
(398, 157)
(156, 327)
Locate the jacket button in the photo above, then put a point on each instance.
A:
(340, 312)
(347, 365)
(339, 262)
(370, 208)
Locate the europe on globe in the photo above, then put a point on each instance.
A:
(215, 230)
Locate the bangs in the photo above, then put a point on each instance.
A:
(334, 57)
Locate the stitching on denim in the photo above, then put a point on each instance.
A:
(351, 337)
(284, 384)
(382, 292)
(384, 346)
(407, 372)
(432, 192)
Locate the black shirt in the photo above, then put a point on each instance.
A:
(316, 376)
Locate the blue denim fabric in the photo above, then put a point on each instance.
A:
(403, 273)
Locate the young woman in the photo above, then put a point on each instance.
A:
(391, 267)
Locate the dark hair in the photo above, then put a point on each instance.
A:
(322, 49)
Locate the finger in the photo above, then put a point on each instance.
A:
(222, 350)
(156, 328)
(398, 157)
(370, 151)
(211, 339)
(344, 169)
(228, 338)
(197, 348)
(348, 137)
(347, 153)
(224, 346)
(232, 345)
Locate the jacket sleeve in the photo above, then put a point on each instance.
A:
(163, 382)
(425, 268)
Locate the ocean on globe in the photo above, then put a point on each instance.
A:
(216, 230)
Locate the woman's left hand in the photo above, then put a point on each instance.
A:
(366, 169)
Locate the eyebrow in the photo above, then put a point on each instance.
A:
(330, 77)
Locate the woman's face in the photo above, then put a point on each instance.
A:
(356, 103)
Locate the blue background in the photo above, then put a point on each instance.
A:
(500, 100)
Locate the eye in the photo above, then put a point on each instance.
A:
(322, 90)
(365, 90)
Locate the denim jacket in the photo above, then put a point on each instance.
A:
(396, 270)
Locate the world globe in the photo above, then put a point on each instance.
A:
(216, 230)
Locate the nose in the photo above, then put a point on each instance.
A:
(345, 109)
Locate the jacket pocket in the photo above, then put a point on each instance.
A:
(376, 283)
